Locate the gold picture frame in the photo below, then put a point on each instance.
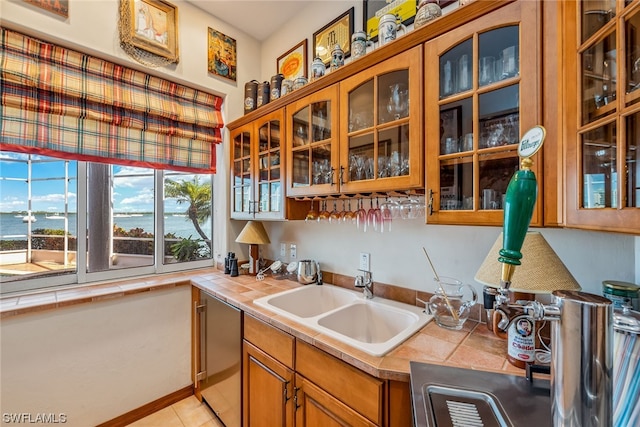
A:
(221, 55)
(60, 7)
(338, 31)
(293, 63)
(152, 26)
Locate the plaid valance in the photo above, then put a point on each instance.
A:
(58, 102)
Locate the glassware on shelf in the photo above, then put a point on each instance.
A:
(398, 105)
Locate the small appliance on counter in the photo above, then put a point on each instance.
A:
(309, 272)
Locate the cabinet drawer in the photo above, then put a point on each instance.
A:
(361, 392)
(272, 341)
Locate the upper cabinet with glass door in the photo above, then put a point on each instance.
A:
(381, 143)
(257, 187)
(481, 84)
(603, 173)
(312, 146)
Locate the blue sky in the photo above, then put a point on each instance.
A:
(132, 192)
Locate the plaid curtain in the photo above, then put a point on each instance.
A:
(62, 103)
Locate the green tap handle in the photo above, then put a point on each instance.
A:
(520, 199)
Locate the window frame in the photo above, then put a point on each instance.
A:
(81, 277)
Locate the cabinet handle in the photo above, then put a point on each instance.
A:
(333, 170)
(295, 398)
(285, 391)
(430, 202)
(341, 175)
(200, 309)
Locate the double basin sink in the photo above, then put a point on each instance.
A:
(375, 326)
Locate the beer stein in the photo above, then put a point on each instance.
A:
(388, 28)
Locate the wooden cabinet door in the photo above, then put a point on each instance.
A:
(481, 95)
(317, 408)
(267, 390)
(241, 172)
(381, 132)
(312, 144)
(602, 123)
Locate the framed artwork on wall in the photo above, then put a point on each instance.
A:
(152, 25)
(293, 63)
(59, 7)
(338, 31)
(221, 55)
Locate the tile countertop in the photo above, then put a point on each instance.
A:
(473, 347)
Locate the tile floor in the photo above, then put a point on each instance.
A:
(186, 413)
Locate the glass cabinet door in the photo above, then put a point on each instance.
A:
(269, 183)
(381, 137)
(312, 146)
(603, 190)
(474, 130)
(241, 170)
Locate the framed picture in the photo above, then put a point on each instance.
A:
(338, 31)
(59, 7)
(152, 25)
(293, 63)
(221, 54)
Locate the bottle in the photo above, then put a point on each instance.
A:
(521, 341)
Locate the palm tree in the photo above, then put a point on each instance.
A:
(197, 195)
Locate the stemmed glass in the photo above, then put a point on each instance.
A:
(324, 213)
(312, 215)
(374, 216)
(388, 212)
(334, 216)
(361, 217)
(349, 215)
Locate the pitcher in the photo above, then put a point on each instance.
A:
(449, 306)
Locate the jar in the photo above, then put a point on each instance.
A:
(428, 10)
(299, 82)
(359, 44)
(317, 68)
(276, 84)
(337, 57)
(264, 94)
(286, 87)
(250, 96)
(621, 293)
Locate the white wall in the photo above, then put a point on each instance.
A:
(96, 361)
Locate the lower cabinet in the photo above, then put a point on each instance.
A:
(289, 382)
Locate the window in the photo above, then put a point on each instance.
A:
(66, 221)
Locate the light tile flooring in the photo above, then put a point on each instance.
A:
(186, 413)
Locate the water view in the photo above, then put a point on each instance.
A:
(14, 224)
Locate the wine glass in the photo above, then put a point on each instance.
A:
(312, 215)
(334, 216)
(361, 217)
(349, 215)
(324, 213)
(373, 216)
(388, 212)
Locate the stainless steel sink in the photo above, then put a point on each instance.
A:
(447, 396)
(375, 326)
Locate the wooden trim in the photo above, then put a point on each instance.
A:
(149, 408)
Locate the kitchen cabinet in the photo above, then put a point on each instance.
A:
(257, 171)
(267, 379)
(481, 94)
(287, 381)
(361, 135)
(603, 129)
(312, 146)
(381, 136)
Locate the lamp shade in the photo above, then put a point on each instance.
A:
(253, 233)
(541, 271)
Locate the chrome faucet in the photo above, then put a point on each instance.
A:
(366, 283)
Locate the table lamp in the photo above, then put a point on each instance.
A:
(254, 234)
(541, 271)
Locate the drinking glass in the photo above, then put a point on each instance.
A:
(361, 217)
(349, 215)
(335, 215)
(312, 215)
(374, 216)
(324, 213)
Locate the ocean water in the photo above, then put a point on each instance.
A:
(13, 225)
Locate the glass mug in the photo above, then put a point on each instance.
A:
(486, 70)
(464, 73)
